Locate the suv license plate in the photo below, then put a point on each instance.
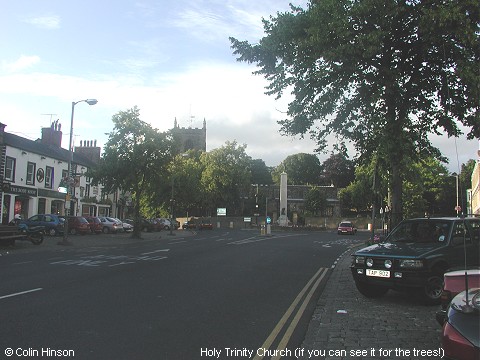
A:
(378, 273)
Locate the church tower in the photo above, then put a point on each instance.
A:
(190, 138)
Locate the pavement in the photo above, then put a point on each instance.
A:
(347, 325)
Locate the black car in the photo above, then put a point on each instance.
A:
(415, 256)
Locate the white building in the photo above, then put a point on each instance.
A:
(31, 172)
(474, 193)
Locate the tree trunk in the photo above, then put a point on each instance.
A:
(137, 228)
(396, 190)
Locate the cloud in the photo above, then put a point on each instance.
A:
(22, 63)
(217, 20)
(228, 96)
(51, 22)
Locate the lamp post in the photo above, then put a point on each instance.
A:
(69, 180)
(458, 208)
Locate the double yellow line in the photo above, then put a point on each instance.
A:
(309, 290)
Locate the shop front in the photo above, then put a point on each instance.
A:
(18, 200)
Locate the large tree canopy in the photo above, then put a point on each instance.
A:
(226, 176)
(301, 168)
(135, 158)
(383, 75)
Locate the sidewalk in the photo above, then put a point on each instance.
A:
(347, 325)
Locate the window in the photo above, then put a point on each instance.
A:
(461, 234)
(30, 173)
(10, 169)
(49, 177)
(475, 226)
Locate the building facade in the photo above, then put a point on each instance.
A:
(33, 171)
(474, 192)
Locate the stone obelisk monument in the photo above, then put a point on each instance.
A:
(283, 218)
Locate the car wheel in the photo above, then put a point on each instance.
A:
(106, 230)
(432, 291)
(73, 231)
(371, 291)
(52, 232)
(37, 239)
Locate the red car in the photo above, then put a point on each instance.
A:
(205, 224)
(95, 224)
(346, 227)
(454, 283)
(461, 328)
(78, 225)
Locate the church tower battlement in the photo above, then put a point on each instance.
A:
(191, 138)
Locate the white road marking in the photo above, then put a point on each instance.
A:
(154, 252)
(20, 293)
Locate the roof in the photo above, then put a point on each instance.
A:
(51, 151)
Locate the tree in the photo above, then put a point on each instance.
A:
(301, 169)
(186, 173)
(135, 159)
(261, 173)
(338, 170)
(226, 176)
(358, 196)
(315, 200)
(382, 75)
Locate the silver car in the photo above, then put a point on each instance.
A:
(111, 225)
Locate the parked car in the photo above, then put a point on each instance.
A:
(54, 224)
(461, 327)
(78, 225)
(146, 225)
(205, 224)
(416, 255)
(157, 225)
(111, 225)
(346, 227)
(454, 283)
(189, 225)
(167, 224)
(127, 227)
(95, 224)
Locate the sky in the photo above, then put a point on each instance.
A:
(172, 59)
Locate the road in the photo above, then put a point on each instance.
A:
(213, 294)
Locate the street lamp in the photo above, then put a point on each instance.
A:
(69, 180)
(458, 208)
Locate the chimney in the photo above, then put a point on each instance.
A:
(52, 135)
(89, 149)
(2, 131)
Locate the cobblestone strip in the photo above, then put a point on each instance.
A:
(347, 325)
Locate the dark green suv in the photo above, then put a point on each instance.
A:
(415, 255)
